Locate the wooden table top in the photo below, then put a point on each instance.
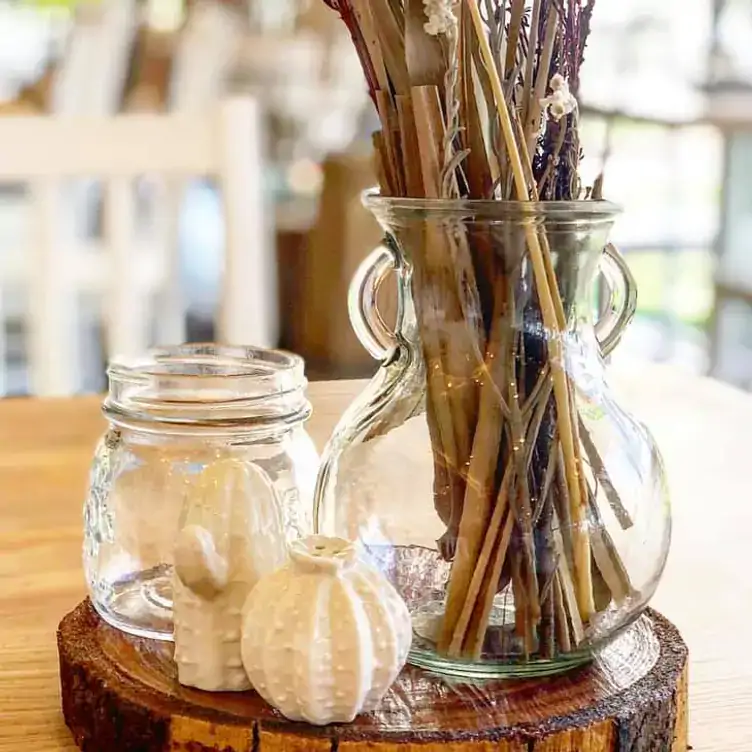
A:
(703, 428)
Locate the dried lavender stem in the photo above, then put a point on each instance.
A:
(553, 158)
(530, 62)
(513, 38)
(496, 34)
(541, 82)
(535, 421)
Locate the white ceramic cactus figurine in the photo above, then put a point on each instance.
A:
(231, 536)
(325, 636)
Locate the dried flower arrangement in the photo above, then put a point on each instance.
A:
(477, 101)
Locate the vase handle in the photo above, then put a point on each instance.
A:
(369, 326)
(612, 324)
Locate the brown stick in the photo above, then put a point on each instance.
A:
(426, 62)
(522, 510)
(410, 146)
(480, 478)
(391, 138)
(604, 479)
(607, 559)
(477, 169)
(568, 590)
(513, 38)
(383, 165)
(489, 543)
(362, 10)
(562, 624)
(427, 112)
(479, 623)
(522, 613)
(392, 44)
(563, 509)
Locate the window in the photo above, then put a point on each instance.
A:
(642, 100)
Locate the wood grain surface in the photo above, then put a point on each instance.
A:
(703, 428)
(121, 693)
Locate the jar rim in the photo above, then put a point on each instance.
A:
(204, 360)
(207, 384)
(491, 208)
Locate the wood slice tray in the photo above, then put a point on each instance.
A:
(120, 694)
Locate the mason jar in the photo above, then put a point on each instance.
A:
(173, 414)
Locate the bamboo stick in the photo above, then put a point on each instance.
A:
(563, 509)
(579, 513)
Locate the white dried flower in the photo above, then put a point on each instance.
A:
(559, 82)
(440, 15)
(561, 102)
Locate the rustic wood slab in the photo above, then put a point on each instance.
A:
(120, 694)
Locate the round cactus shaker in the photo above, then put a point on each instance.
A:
(325, 636)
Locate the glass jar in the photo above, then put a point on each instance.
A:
(488, 469)
(172, 414)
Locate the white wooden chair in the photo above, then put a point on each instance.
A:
(90, 77)
(225, 143)
(204, 54)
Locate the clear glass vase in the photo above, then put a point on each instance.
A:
(173, 414)
(487, 468)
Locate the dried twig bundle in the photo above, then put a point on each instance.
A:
(477, 100)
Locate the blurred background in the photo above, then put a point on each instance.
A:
(667, 110)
